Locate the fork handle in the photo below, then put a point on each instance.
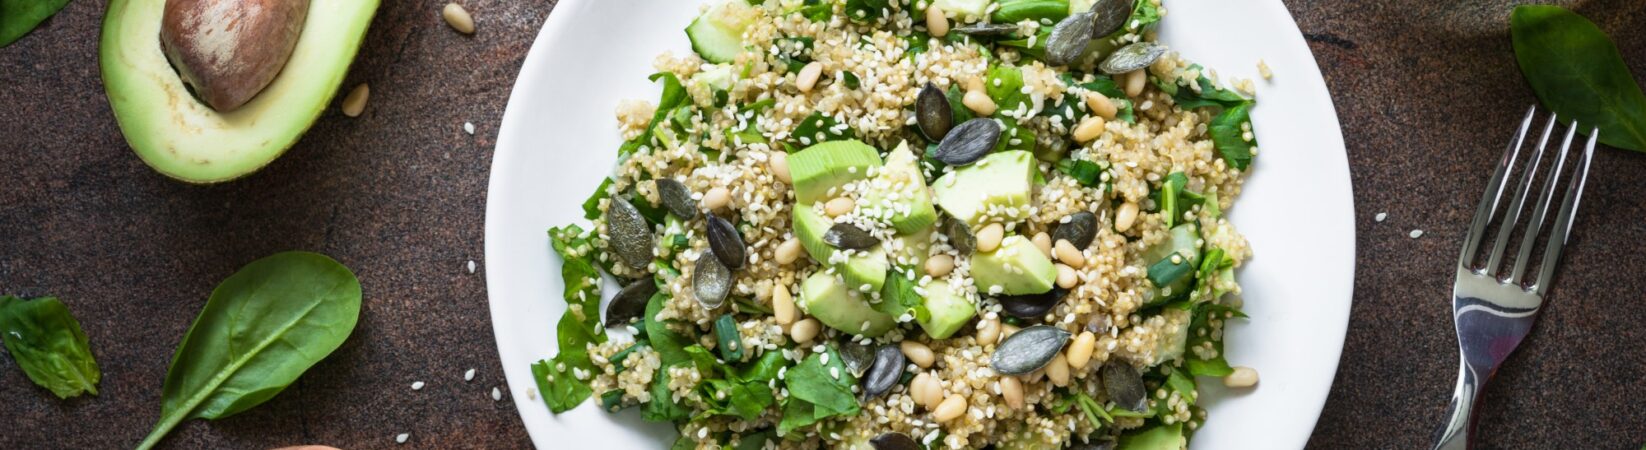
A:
(1460, 417)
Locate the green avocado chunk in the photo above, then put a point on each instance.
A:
(184, 138)
(832, 302)
(864, 270)
(1016, 268)
(898, 194)
(828, 165)
(995, 189)
(949, 310)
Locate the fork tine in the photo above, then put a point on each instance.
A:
(1494, 190)
(1511, 219)
(1568, 211)
(1542, 211)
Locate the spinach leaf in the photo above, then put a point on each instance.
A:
(563, 379)
(19, 17)
(1087, 173)
(262, 328)
(674, 94)
(591, 207)
(582, 291)
(670, 345)
(1004, 84)
(662, 407)
(817, 391)
(46, 341)
(898, 296)
(1577, 72)
(817, 128)
(1228, 132)
(1217, 365)
(755, 441)
(864, 11)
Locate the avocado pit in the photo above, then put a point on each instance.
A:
(229, 50)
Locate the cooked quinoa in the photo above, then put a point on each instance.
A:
(1151, 157)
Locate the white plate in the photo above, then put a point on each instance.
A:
(559, 139)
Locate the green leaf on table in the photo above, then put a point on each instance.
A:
(262, 328)
(46, 341)
(1577, 72)
(19, 17)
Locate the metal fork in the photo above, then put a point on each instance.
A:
(1493, 312)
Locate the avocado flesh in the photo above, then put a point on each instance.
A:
(1017, 267)
(995, 189)
(865, 268)
(898, 194)
(828, 299)
(184, 138)
(828, 165)
(949, 310)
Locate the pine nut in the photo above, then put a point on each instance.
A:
(783, 305)
(1066, 277)
(979, 102)
(1012, 390)
(917, 389)
(918, 353)
(1124, 216)
(936, 23)
(951, 408)
(458, 18)
(1007, 330)
(988, 332)
(779, 164)
(1135, 81)
(939, 266)
(1080, 351)
(975, 83)
(1043, 242)
(988, 238)
(1089, 129)
(1242, 377)
(1101, 105)
(805, 330)
(1067, 254)
(716, 198)
(355, 102)
(788, 252)
(1058, 371)
(933, 392)
(839, 206)
(807, 78)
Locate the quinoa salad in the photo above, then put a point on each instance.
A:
(913, 224)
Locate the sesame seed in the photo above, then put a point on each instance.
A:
(1416, 234)
(469, 375)
(401, 438)
(1381, 216)
(417, 385)
(497, 394)
(471, 266)
(468, 128)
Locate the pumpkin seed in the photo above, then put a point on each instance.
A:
(886, 371)
(969, 142)
(856, 357)
(677, 198)
(933, 113)
(630, 302)
(1079, 230)
(849, 237)
(1028, 350)
(895, 441)
(1108, 16)
(631, 236)
(987, 30)
(1069, 39)
(960, 236)
(711, 281)
(1125, 386)
(1028, 307)
(1132, 57)
(726, 242)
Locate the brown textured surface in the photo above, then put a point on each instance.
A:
(1426, 92)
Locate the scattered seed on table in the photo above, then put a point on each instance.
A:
(1417, 234)
(468, 127)
(417, 385)
(458, 18)
(471, 266)
(355, 102)
(531, 393)
(497, 394)
(401, 439)
(1381, 216)
(469, 375)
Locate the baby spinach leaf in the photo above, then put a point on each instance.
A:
(1229, 136)
(817, 391)
(1004, 84)
(46, 341)
(582, 292)
(591, 207)
(262, 328)
(674, 94)
(865, 10)
(662, 407)
(563, 379)
(1087, 173)
(817, 128)
(19, 17)
(1577, 72)
(670, 345)
(898, 296)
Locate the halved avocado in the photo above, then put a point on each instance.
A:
(183, 138)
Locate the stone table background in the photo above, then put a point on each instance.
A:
(1425, 90)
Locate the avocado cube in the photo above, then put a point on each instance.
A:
(898, 194)
(1016, 268)
(995, 189)
(862, 268)
(829, 165)
(837, 305)
(949, 310)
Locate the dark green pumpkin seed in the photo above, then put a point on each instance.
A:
(1125, 386)
(677, 198)
(895, 441)
(711, 281)
(969, 142)
(933, 113)
(987, 30)
(856, 357)
(630, 302)
(1069, 39)
(885, 372)
(1132, 57)
(631, 236)
(1028, 350)
(1079, 230)
(1030, 306)
(846, 236)
(960, 236)
(726, 242)
(1108, 16)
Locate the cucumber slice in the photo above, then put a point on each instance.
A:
(717, 35)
